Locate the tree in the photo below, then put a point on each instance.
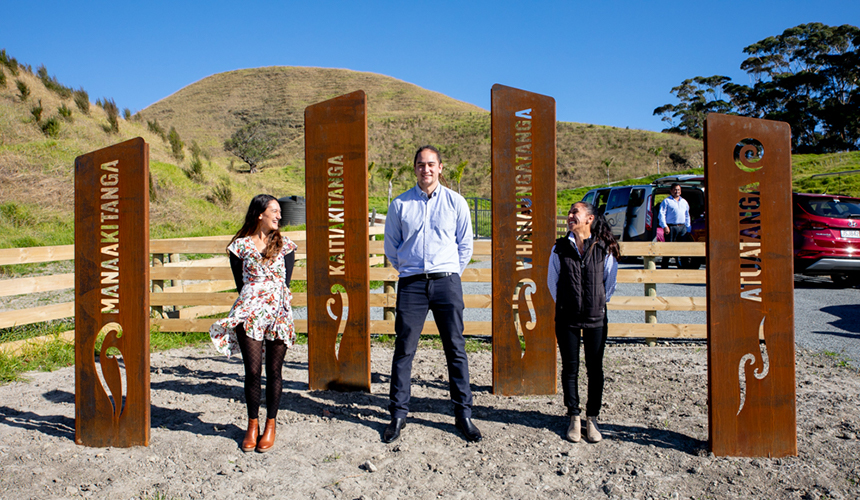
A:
(391, 174)
(698, 96)
(457, 176)
(176, 144)
(253, 143)
(808, 76)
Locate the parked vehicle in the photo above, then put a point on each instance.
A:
(632, 211)
(827, 236)
(826, 227)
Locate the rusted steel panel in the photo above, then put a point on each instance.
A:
(336, 187)
(112, 295)
(751, 391)
(524, 227)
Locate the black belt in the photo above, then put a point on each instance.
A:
(676, 225)
(425, 276)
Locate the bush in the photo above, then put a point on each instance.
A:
(176, 144)
(155, 128)
(82, 101)
(9, 62)
(113, 115)
(195, 172)
(23, 90)
(16, 215)
(51, 83)
(66, 113)
(2, 78)
(51, 127)
(126, 113)
(36, 111)
(221, 194)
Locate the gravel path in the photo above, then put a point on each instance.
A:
(654, 422)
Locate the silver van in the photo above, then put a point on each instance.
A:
(632, 211)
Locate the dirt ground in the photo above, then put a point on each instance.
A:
(654, 423)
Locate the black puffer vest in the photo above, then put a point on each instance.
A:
(581, 295)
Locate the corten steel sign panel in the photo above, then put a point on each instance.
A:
(337, 239)
(112, 295)
(524, 231)
(751, 391)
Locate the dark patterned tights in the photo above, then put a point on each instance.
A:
(252, 357)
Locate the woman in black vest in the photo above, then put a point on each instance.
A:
(581, 278)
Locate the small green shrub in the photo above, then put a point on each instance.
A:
(16, 214)
(82, 101)
(51, 127)
(36, 111)
(51, 83)
(9, 62)
(196, 150)
(113, 116)
(195, 172)
(2, 78)
(222, 194)
(23, 90)
(153, 189)
(126, 114)
(66, 113)
(176, 144)
(155, 128)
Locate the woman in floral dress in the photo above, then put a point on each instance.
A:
(262, 263)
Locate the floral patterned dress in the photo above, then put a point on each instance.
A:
(264, 303)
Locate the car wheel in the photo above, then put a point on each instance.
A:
(846, 279)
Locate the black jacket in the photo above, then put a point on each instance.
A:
(581, 295)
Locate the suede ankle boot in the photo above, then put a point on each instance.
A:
(267, 440)
(592, 433)
(251, 435)
(574, 430)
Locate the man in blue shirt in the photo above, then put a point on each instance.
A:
(428, 240)
(674, 218)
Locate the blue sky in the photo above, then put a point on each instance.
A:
(604, 62)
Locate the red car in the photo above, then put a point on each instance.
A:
(827, 237)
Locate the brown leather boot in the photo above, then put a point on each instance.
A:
(267, 441)
(251, 435)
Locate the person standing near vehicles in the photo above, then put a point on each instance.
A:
(581, 278)
(674, 218)
(428, 240)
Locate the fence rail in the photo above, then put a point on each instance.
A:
(183, 291)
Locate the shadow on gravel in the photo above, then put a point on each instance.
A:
(849, 319)
(52, 425)
(816, 283)
(176, 419)
(646, 436)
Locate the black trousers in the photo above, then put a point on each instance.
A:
(594, 343)
(677, 232)
(443, 296)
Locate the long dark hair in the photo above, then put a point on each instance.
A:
(258, 205)
(600, 231)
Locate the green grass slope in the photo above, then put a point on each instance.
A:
(37, 171)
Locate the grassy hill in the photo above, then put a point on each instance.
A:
(36, 168)
(401, 117)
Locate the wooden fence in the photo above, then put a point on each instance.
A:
(185, 290)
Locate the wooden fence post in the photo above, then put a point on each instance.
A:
(158, 285)
(650, 264)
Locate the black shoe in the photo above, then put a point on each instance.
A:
(392, 430)
(468, 429)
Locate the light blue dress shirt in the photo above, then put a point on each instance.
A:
(428, 234)
(674, 212)
(610, 272)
